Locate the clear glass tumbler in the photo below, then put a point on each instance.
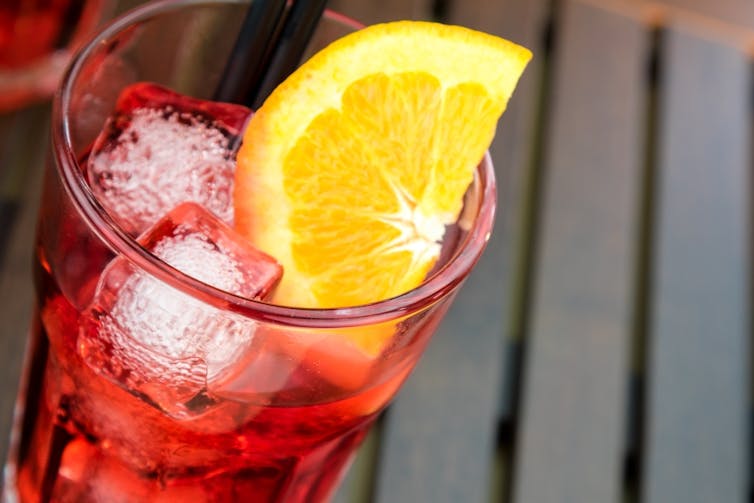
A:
(273, 401)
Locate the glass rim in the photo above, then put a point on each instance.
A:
(441, 283)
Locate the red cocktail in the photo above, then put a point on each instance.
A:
(157, 371)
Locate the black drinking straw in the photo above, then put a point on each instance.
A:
(247, 59)
(268, 48)
(300, 23)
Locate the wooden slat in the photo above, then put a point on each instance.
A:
(439, 437)
(515, 153)
(8, 210)
(25, 155)
(738, 12)
(697, 447)
(378, 11)
(572, 423)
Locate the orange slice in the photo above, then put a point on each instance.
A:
(353, 167)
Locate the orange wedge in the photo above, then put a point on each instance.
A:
(351, 170)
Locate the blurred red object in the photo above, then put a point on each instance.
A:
(37, 38)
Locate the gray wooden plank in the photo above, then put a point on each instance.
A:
(697, 447)
(572, 417)
(379, 11)
(737, 12)
(16, 292)
(8, 210)
(440, 435)
(515, 153)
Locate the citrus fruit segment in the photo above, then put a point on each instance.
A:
(353, 167)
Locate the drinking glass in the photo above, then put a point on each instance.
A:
(273, 415)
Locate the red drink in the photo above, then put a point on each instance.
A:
(89, 440)
(157, 372)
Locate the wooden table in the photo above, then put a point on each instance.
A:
(601, 350)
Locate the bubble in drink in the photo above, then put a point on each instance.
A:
(161, 148)
(161, 344)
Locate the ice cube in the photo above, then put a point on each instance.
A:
(259, 373)
(160, 343)
(159, 149)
